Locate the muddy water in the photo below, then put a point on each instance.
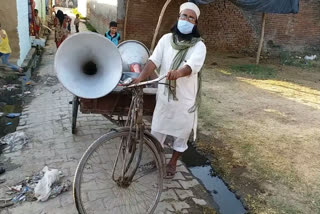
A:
(11, 100)
(200, 167)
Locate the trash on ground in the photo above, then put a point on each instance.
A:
(15, 141)
(27, 92)
(312, 57)
(10, 87)
(9, 123)
(41, 186)
(16, 188)
(1, 113)
(13, 115)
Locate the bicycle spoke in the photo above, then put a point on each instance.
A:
(98, 191)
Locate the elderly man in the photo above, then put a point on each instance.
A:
(180, 55)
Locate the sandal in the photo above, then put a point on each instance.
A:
(170, 171)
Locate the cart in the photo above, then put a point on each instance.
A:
(114, 106)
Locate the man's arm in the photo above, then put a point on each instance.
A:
(146, 72)
(182, 72)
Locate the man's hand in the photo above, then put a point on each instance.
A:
(136, 81)
(173, 75)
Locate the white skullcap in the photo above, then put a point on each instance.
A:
(190, 6)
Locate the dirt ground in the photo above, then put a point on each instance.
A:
(263, 135)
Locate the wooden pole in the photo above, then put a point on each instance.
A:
(261, 37)
(159, 24)
(125, 22)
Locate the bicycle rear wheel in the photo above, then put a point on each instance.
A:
(96, 192)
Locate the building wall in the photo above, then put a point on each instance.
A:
(295, 32)
(227, 28)
(9, 24)
(23, 30)
(82, 7)
(40, 6)
(101, 13)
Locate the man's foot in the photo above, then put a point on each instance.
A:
(170, 171)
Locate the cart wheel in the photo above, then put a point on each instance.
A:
(75, 106)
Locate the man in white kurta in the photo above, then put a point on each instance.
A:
(173, 116)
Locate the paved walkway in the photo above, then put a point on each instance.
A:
(47, 121)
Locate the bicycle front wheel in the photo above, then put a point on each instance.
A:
(95, 191)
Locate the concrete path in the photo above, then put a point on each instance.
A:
(47, 121)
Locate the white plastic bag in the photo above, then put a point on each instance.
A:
(15, 141)
(312, 57)
(43, 188)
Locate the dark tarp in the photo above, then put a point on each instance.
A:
(267, 6)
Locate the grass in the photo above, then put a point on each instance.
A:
(90, 27)
(290, 59)
(257, 71)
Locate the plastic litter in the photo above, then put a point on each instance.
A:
(13, 115)
(15, 141)
(312, 57)
(43, 188)
(10, 87)
(1, 114)
(9, 123)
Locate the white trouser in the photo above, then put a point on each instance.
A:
(179, 144)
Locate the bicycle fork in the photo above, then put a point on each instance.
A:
(128, 145)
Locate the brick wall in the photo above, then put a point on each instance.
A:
(101, 13)
(227, 28)
(295, 32)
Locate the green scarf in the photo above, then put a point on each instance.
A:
(182, 47)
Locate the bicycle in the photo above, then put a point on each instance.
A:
(122, 171)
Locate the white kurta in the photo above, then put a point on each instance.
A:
(171, 117)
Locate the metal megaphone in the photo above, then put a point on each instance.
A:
(88, 65)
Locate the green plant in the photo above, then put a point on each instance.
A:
(258, 71)
(90, 27)
(290, 59)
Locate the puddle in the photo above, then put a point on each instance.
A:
(200, 167)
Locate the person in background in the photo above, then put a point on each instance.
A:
(5, 51)
(77, 22)
(37, 24)
(112, 34)
(68, 19)
(61, 31)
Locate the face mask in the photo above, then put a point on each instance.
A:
(185, 27)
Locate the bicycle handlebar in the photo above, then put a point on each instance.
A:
(147, 82)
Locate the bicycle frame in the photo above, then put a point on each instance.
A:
(128, 145)
(134, 120)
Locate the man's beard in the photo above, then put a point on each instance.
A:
(188, 37)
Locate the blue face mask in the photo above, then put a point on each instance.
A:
(185, 27)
